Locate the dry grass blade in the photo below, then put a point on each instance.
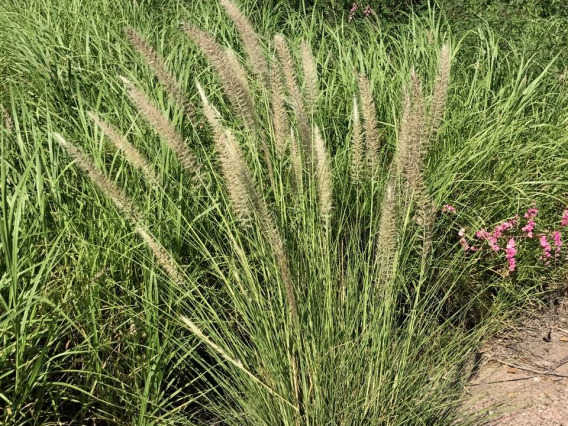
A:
(370, 122)
(440, 91)
(287, 64)
(199, 334)
(213, 116)
(126, 207)
(131, 153)
(164, 128)
(310, 76)
(157, 65)
(250, 40)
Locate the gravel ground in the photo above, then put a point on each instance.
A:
(522, 377)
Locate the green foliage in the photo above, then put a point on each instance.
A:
(91, 328)
(508, 9)
(384, 9)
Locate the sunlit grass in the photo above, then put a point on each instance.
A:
(91, 325)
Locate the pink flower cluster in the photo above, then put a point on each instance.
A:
(498, 231)
(482, 234)
(557, 239)
(352, 12)
(511, 249)
(530, 215)
(463, 241)
(355, 7)
(510, 252)
(564, 218)
(545, 248)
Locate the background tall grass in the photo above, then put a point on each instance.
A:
(91, 327)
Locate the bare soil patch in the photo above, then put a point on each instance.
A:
(521, 376)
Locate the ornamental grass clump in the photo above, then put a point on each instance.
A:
(308, 310)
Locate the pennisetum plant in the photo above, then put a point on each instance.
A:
(293, 284)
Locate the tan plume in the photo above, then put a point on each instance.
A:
(287, 64)
(237, 178)
(440, 91)
(250, 40)
(387, 238)
(403, 149)
(163, 127)
(370, 122)
(130, 152)
(419, 125)
(323, 175)
(296, 162)
(310, 76)
(126, 206)
(280, 121)
(356, 144)
(412, 152)
(243, 195)
(158, 66)
(6, 118)
(233, 166)
(236, 68)
(237, 89)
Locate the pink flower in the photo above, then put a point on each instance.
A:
(448, 208)
(367, 11)
(532, 212)
(530, 215)
(352, 11)
(510, 252)
(557, 238)
(565, 218)
(463, 241)
(503, 227)
(529, 228)
(489, 237)
(482, 234)
(546, 248)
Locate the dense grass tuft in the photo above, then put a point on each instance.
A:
(257, 238)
